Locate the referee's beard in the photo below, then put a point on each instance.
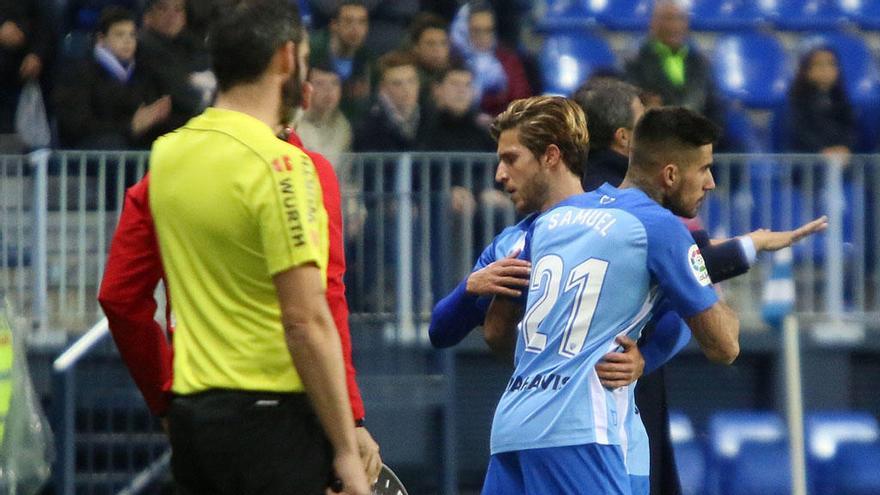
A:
(291, 95)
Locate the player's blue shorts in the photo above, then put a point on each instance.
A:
(577, 469)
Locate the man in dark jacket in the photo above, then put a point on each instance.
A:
(341, 46)
(454, 122)
(395, 121)
(105, 103)
(670, 69)
(175, 61)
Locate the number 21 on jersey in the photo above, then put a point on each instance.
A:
(585, 280)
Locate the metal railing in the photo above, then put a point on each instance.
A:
(416, 222)
(106, 439)
(414, 225)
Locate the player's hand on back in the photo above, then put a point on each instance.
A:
(504, 277)
(767, 240)
(619, 369)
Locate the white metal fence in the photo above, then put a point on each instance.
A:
(416, 222)
(414, 225)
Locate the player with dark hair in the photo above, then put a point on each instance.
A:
(238, 331)
(613, 107)
(602, 262)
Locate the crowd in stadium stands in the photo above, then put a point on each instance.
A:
(406, 75)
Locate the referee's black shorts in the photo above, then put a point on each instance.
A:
(239, 443)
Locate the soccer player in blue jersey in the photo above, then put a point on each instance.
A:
(601, 262)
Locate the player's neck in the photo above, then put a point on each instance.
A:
(259, 100)
(565, 188)
(645, 185)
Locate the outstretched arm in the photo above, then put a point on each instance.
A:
(729, 258)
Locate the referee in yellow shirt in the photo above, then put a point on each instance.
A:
(260, 404)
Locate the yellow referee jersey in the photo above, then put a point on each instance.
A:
(233, 205)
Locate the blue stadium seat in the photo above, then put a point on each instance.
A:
(752, 68)
(728, 431)
(865, 13)
(760, 468)
(690, 456)
(857, 470)
(740, 134)
(555, 16)
(826, 430)
(681, 429)
(567, 61)
(305, 12)
(623, 15)
(808, 15)
(725, 15)
(825, 433)
(690, 459)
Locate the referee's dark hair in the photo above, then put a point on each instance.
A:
(663, 134)
(244, 39)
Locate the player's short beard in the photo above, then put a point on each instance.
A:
(674, 204)
(534, 192)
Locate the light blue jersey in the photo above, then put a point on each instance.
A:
(509, 241)
(600, 261)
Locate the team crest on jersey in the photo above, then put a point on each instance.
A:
(698, 265)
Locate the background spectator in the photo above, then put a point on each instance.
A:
(175, 62)
(612, 107)
(24, 47)
(104, 103)
(671, 70)
(429, 42)
(820, 117)
(499, 73)
(395, 121)
(323, 127)
(454, 123)
(341, 46)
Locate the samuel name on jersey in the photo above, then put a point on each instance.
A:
(600, 262)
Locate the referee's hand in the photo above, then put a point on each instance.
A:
(350, 470)
(369, 451)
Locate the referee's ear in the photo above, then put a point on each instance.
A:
(284, 62)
